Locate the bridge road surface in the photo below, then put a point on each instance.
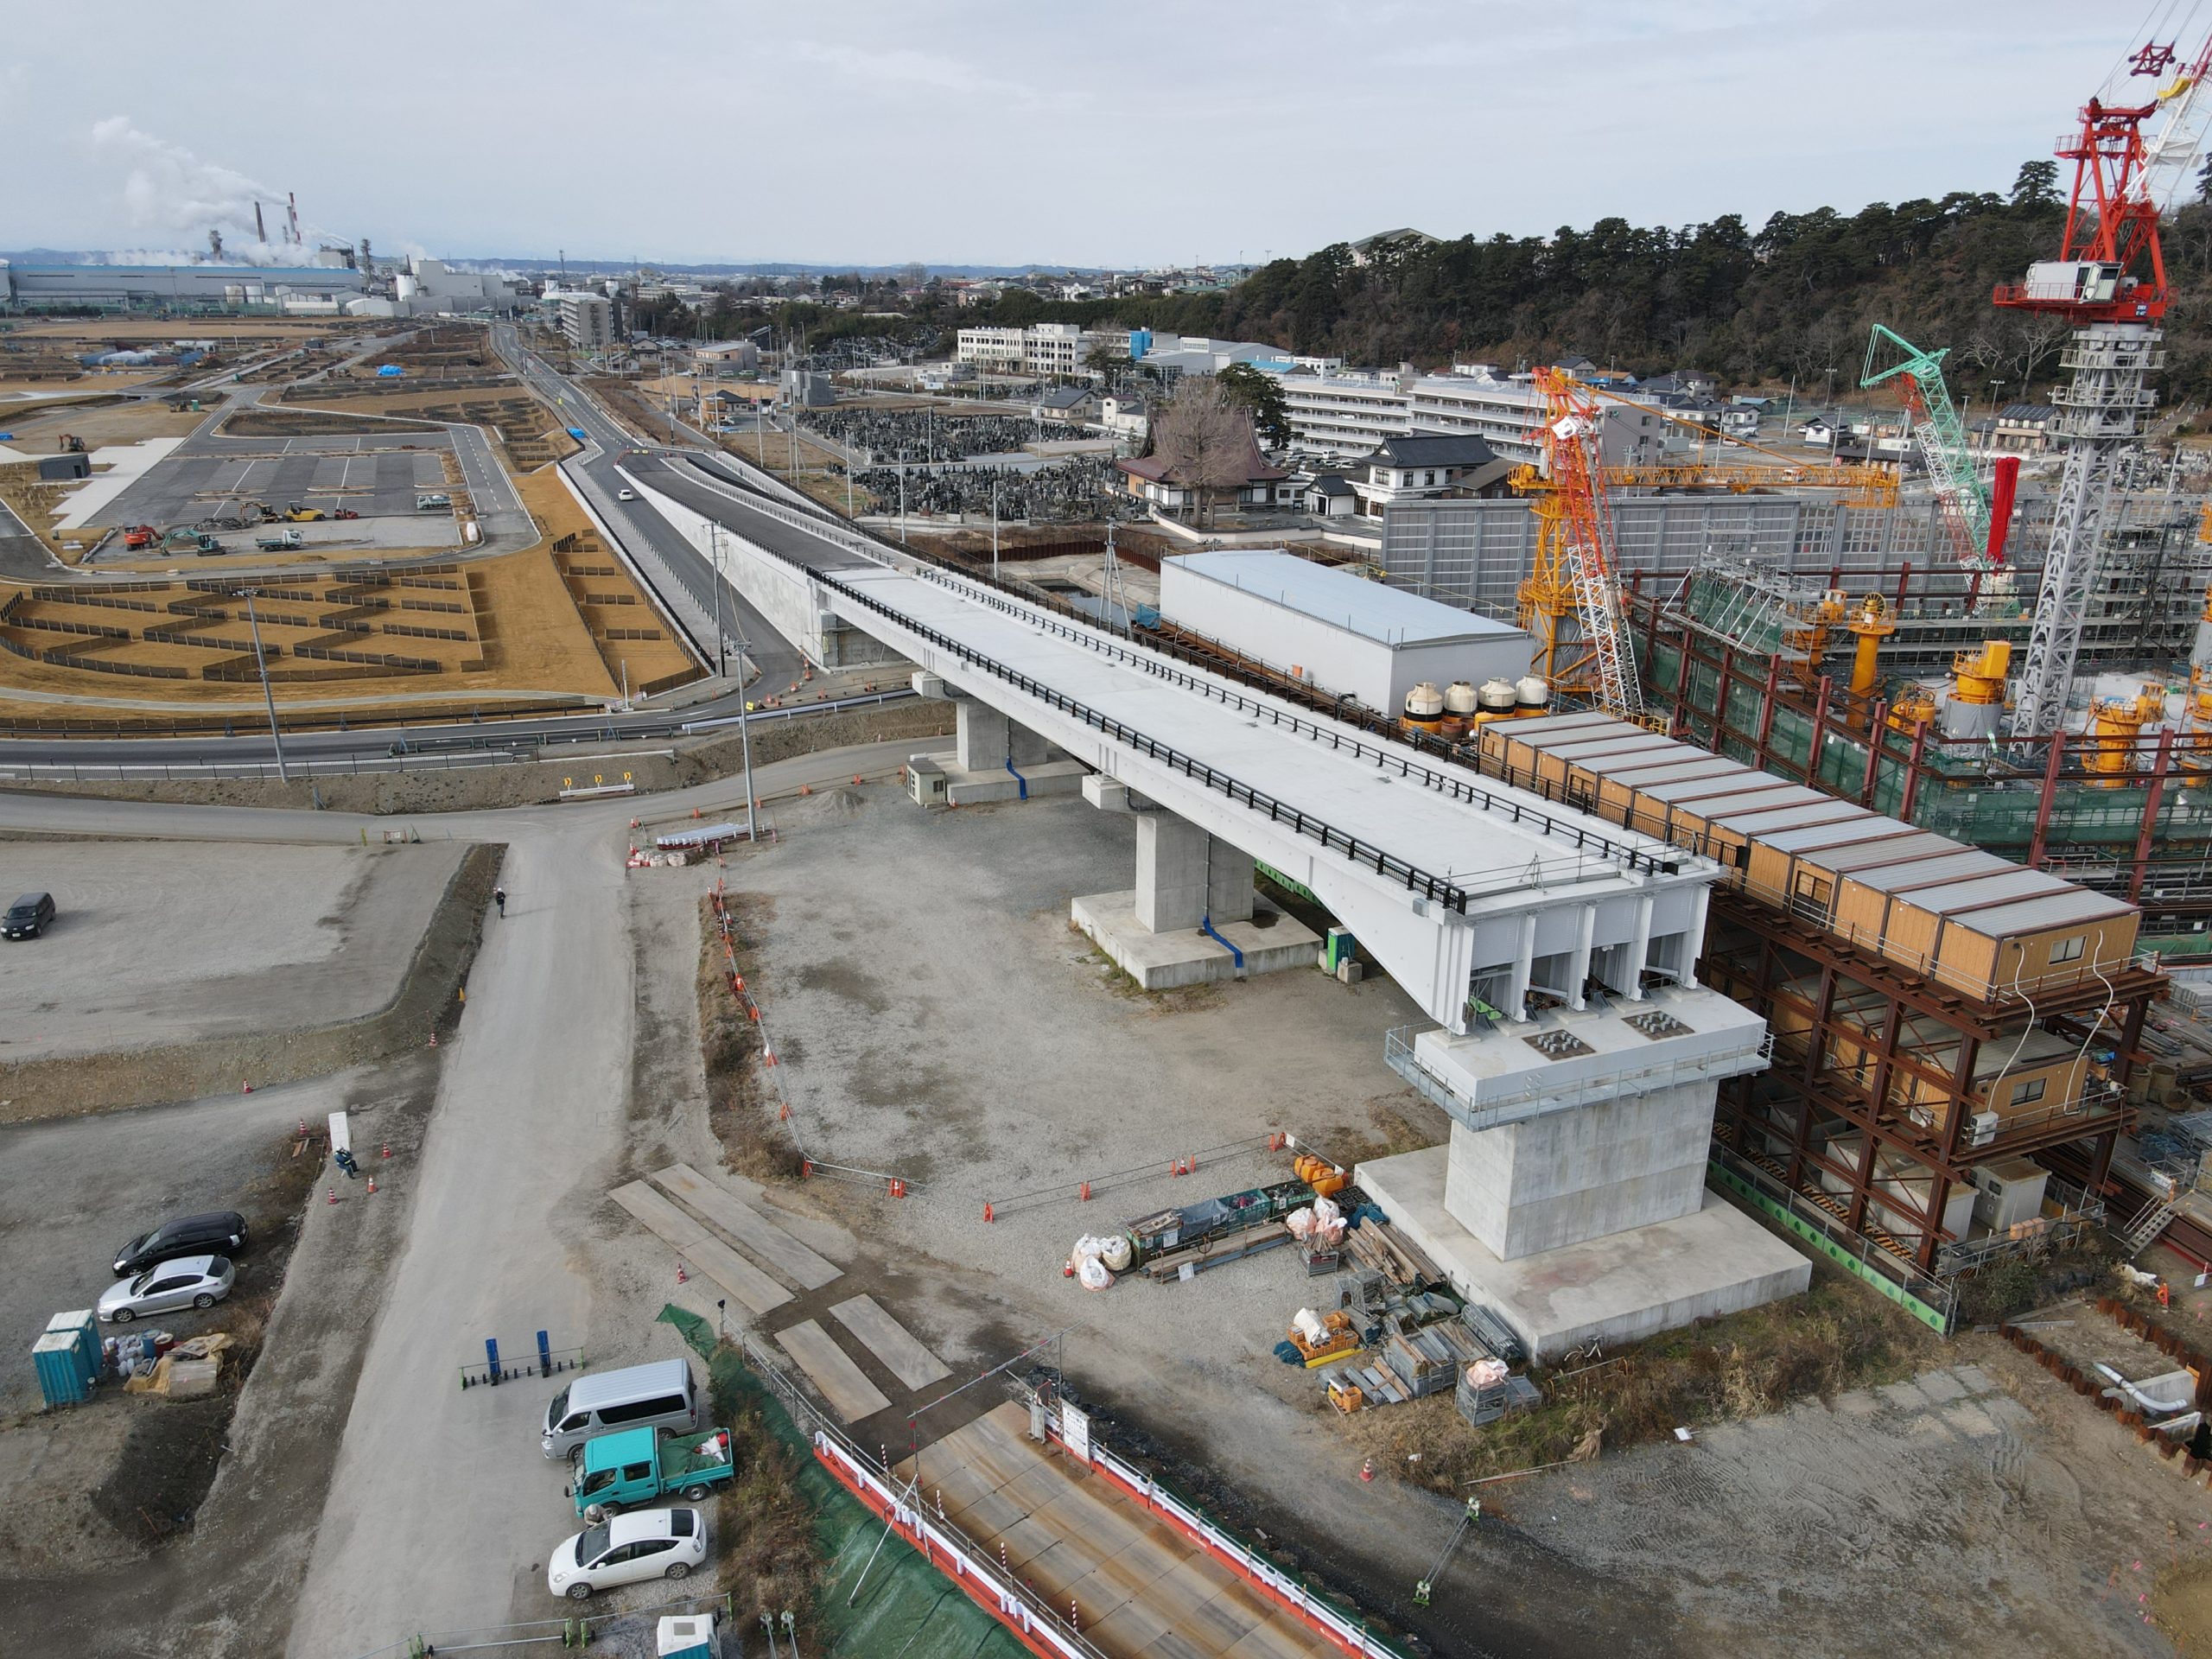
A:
(441, 1502)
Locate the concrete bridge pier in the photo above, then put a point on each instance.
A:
(993, 757)
(1195, 914)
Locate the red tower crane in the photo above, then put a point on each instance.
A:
(2109, 281)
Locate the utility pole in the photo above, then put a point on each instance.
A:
(902, 497)
(994, 527)
(745, 724)
(268, 693)
(714, 555)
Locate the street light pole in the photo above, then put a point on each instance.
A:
(714, 557)
(268, 693)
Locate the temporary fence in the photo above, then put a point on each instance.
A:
(896, 1186)
(1082, 1189)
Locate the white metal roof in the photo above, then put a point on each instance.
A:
(1391, 616)
(1932, 872)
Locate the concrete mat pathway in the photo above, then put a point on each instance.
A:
(749, 1229)
(700, 1249)
(900, 1351)
(843, 1384)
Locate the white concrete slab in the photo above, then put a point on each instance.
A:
(1161, 962)
(1619, 1289)
(126, 463)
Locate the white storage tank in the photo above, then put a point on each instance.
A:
(1497, 696)
(1459, 699)
(1533, 692)
(1425, 706)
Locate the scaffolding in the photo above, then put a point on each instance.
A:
(1724, 658)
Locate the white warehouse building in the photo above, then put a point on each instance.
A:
(1335, 631)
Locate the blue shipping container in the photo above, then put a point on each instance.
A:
(61, 1376)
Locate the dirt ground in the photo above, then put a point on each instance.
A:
(285, 1021)
(143, 1526)
(952, 1031)
(274, 935)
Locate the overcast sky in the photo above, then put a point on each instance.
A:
(1146, 132)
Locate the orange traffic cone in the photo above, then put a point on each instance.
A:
(333, 1199)
(245, 1087)
(372, 1183)
(1367, 1468)
(682, 1277)
(387, 1149)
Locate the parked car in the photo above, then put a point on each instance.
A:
(643, 1544)
(188, 1281)
(222, 1230)
(30, 916)
(637, 1465)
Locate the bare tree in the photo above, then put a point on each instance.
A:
(1205, 441)
(2036, 337)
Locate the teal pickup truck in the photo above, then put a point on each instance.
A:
(620, 1471)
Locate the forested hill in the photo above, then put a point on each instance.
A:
(1794, 297)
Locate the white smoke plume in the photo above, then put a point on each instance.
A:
(173, 194)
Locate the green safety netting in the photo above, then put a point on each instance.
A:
(906, 1609)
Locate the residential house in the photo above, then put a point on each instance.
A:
(1151, 479)
(1125, 416)
(2025, 428)
(1411, 467)
(1331, 496)
(1065, 403)
(1817, 431)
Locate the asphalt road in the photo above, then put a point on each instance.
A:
(679, 569)
(438, 1509)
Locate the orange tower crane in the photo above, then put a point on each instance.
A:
(1575, 571)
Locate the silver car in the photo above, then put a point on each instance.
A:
(188, 1281)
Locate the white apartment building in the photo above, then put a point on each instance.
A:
(1348, 415)
(1049, 349)
(995, 351)
(587, 321)
(1508, 412)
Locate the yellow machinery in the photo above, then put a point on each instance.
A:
(2115, 724)
(1869, 627)
(1979, 678)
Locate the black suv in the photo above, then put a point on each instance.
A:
(215, 1234)
(28, 916)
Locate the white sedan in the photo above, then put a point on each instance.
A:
(643, 1544)
(188, 1281)
(625, 495)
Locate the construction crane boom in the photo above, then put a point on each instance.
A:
(1575, 538)
(2109, 280)
(1962, 497)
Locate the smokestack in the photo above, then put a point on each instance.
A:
(292, 210)
(260, 232)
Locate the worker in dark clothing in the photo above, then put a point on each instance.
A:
(499, 898)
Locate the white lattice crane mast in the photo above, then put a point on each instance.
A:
(2110, 282)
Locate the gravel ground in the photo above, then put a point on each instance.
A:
(68, 1201)
(174, 941)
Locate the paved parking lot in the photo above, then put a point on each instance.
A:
(371, 477)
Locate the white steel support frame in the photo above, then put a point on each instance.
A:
(2102, 410)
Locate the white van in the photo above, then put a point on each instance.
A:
(658, 1395)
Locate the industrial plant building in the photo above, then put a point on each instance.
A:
(209, 286)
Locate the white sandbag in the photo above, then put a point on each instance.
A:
(1308, 1324)
(1092, 1274)
(1115, 1252)
(1300, 1222)
(1486, 1373)
(1327, 1212)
